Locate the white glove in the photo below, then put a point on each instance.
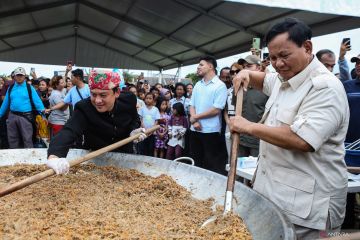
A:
(59, 165)
(142, 135)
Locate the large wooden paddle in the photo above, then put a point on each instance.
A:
(40, 176)
(235, 141)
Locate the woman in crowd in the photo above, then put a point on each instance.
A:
(180, 96)
(166, 94)
(189, 89)
(159, 86)
(57, 118)
(69, 84)
(156, 93)
(43, 92)
(146, 86)
(229, 110)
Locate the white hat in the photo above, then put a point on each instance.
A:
(19, 71)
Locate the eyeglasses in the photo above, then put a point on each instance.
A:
(19, 75)
(232, 72)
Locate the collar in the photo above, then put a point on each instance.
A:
(20, 84)
(211, 81)
(302, 76)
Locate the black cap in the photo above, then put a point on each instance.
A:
(355, 59)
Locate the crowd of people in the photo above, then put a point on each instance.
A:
(294, 120)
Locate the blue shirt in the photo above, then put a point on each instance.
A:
(20, 101)
(352, 86)
(149, 116)
(72, 97)
(183, 100)
(344, 70)
(208, 95)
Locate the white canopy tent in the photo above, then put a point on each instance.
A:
(151, 34)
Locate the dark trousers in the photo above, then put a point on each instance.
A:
(206, 150)
(171, 151)
(147, 146)
(248, 151)
(4, 144)
(19, 131)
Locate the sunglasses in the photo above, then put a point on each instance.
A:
(232, 72)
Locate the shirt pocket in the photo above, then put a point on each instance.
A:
(286, 115)
(293, 191)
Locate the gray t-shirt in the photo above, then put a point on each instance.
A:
(58, 117)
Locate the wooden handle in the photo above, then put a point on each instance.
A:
(353, 169)
(40, 176)
(235, 144)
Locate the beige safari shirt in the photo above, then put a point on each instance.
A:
(307, 186)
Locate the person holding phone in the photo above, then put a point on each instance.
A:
(345, 46)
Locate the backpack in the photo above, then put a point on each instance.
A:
(38, 121)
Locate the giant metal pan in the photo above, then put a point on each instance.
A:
(262, 217)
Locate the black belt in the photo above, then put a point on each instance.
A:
(28, 115)
(23, 114)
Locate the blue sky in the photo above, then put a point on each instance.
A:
(329, 41)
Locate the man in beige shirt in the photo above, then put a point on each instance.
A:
(301, 162)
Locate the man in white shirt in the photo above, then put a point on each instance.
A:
(207, 101)
(301, 162)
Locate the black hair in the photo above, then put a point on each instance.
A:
(154, 88)
(44, 80)
(78, 73)
(181, 85)
(160, 101)
(224, 68)
(179, 107)
(209, 59)
(320, 53)
(141, 90)
(115, 89)
(150, 93)
(298, 31)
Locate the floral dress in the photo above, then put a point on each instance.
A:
(161, 142)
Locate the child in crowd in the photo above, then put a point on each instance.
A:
(177, 128)
(161, 135)
(149, 116)
(141, 94)
(140, 103)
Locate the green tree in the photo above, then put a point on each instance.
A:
(194, 77)
(128, 77)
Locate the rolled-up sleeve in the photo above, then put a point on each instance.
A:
(269, 83)
(192, 99)
(319, 116)
(220, 97)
